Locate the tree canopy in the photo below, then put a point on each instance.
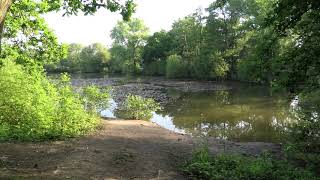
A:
(263, 41)
(72, 7)
(128, 37)
(25, 34)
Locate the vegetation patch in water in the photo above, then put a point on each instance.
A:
(137, 107)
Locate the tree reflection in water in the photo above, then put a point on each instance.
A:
(242, 114)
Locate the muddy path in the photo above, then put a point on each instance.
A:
(122, 149)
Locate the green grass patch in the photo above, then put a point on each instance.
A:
(204, 166)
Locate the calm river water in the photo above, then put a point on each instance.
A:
(233, 111)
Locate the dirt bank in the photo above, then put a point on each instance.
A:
(120, 150)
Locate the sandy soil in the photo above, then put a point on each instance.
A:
(122, 149)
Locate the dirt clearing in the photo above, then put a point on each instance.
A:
(123, 149)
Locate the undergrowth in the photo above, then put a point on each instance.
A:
(225, 166)
(34, 108)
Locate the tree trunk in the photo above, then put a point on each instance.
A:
(1, 31)
(4, 8)
(134, 61)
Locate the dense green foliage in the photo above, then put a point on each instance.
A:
(155, 68)
(175, 67)
(90, 7)
(24, 32)
(223, 166)
(303, 142)
(155, 52)
(90, 59)
(69, 7)
(95, 99)
(129, 38)
(275, 42)
(33, 108)
(137, 107)
(71, 63)
(27, 36)
(247, 40)
(303, 137)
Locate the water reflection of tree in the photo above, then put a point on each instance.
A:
(238, 115)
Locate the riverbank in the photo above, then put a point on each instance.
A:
(152, 87)
(121, 149)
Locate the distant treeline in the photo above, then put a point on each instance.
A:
(249, 40)
(89, 59)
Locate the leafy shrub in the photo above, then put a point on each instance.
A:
(95, 99)
(212, 66)
(175, 67)
(203, 166)
(303, 135)
(219, 66)
(33, 108)
(27, 103)
(137, 107)
(250, 70)
(155, 68)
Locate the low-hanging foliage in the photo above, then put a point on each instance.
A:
(303, 136)
(34, 108)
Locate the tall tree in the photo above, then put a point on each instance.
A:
(254, 45)
(132, 36)
(187, 36)
(158, 47)
(94, 58)
(223, 20)
(297, 25)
